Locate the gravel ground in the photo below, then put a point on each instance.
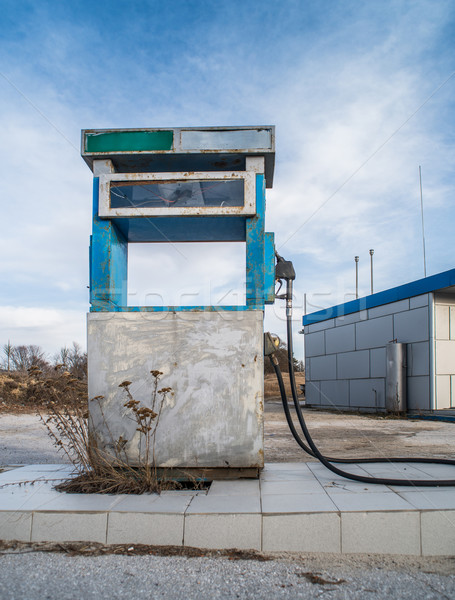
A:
(42, 575)
(23, 439)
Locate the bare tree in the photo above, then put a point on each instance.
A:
(25, 357)
(73, 360)
(7, 351)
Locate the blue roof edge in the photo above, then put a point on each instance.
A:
(408, 290)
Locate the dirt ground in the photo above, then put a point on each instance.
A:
(23, 439)
(353, 435)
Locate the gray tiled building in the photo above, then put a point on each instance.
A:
(345, 347)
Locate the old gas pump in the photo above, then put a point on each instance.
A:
(163, 186)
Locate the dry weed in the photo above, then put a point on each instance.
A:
(97, 471)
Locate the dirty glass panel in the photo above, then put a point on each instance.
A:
(238, 139)
(177, 194)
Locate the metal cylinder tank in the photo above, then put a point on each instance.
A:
(395, 400)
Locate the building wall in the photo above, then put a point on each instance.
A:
(444, 333)
(345, 357)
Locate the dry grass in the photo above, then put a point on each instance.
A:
(271, 389)
(36, 389)
(69, 425)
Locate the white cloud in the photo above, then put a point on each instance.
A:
(46, 327)
(337, 82)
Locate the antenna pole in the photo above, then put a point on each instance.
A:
(423, 227)
(371, 268)
(356, 258)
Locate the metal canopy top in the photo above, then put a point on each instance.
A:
(176, 149)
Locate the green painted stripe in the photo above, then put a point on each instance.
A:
(129, 141)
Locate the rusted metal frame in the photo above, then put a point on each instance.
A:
(108, 257)
(106, 179)
(255, 271)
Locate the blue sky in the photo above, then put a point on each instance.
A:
(360, 93)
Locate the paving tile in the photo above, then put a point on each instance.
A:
(66, 503)
(51, 468)
(27, 497)
(241, 487)
(318, 532)
(15, 525)
(224, 504)
(349, 486)
(287, 475)
(374, 501)
(438, 533)
(380, 532)
(297, 503)
(291, 487)
(393, 470)
(323, 474)
(321, 471)
(69, 527)
(29, 475)
(288, 466)
(184, 492)
(156, 529)
(223, 531)
(429, 498)
(152, 503)
(435, 471)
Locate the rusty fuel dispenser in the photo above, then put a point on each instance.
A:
(164, 186)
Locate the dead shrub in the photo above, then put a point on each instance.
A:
(97, 471)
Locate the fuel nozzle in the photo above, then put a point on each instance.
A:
(284, 270)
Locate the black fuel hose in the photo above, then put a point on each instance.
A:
(314, 451)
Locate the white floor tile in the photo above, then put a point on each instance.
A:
(380, 532)
(15, 525)
(224, 504)
(223, 531)
(316, 532)
(242, 487)
(69, 527)
(438, 533)
(145, 528)
(297, 503)
(152, 503)
(430, 499)
(77, 503)
(378, 501)
(291, 487)
(350, 486)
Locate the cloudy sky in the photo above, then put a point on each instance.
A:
(361, 94)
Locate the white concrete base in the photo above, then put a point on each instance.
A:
(295, 507)
(213, 361)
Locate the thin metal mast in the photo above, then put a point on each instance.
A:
(423, 226)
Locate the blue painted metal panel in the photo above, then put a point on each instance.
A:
(108, 256)
(433, 283)
(269, 267)
(235, 308)
(183, 229)
(255, 250)
(109, 252)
